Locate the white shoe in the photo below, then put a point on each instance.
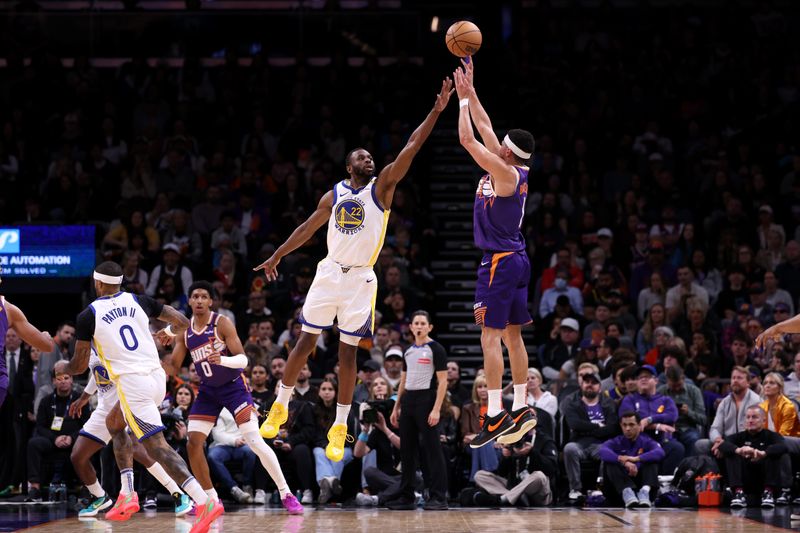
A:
(308, 497)
(366, 500)
(261, 497)
(575, 495)
(241, 496)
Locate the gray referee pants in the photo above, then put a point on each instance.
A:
(536, 487)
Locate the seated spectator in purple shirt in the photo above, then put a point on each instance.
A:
(658, 415)
(631, 461)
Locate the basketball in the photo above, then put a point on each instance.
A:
(463, 38)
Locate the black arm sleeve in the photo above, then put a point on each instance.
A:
(84, 326)
(149, 305)
(439, 357)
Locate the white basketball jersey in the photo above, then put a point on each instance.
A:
(106, 390)
(122, 336)
(357, 226)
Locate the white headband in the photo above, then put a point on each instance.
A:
(110, 280)
(522, 154)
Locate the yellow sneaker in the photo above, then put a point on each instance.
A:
(278, 415)
(337, 436)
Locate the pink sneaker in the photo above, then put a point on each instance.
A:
(193, 510)
(291, 504)
(208, 513)
(126, 505)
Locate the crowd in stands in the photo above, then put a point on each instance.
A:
(663, 223)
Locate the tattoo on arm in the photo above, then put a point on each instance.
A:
(175, 318)
(80, 361)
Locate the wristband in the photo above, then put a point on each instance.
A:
(363, 437)
(168, 330)
(464, 102)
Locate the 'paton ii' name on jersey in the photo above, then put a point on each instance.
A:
(118, 312)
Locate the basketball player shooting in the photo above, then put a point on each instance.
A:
(501, 293)
(345, 286)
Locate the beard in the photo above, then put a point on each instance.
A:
(590, 394)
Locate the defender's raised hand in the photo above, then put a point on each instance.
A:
(444, 95)
(270, 266)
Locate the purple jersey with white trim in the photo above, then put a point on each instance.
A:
(3, 331)
(497, 219)
(205, 343)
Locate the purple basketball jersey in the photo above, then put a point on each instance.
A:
(497, 219)
(205, 343)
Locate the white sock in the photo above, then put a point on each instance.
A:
(126, 481)
(495, 402)
(270, 461)
(342, 411)
(161, 475)
(520, 396)
(96, 489)
(284, 394)
(195, 491)
(212, 493)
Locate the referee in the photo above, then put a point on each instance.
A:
(418, 407)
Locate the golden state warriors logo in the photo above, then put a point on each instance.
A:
(349, 216)
(101, 378)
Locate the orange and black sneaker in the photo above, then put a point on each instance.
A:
(493, 427)
(524, 420)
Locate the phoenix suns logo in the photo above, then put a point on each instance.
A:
(349, 216)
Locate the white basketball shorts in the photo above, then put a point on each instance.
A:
(140, 395)
(347, 295)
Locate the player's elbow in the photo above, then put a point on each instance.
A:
(466, 140)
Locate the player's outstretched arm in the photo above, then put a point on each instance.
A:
(27, 331)
(79, 362)
(791, 325)
(504, 175)
(299, 236)
(391, 175)
(479, 115)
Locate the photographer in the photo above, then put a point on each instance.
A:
(418, 409)
(523, 477)
(383, 480)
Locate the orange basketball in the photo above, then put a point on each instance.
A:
(463, 38)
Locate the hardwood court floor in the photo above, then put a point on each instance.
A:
(455, 520)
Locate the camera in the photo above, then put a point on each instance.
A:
(370, 414)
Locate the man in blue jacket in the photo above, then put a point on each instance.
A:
(631, 461)
(658, 414)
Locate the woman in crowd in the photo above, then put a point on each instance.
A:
(655, 317)
(781, 411)
(656, 293)
(329, 473)
(486, 457)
